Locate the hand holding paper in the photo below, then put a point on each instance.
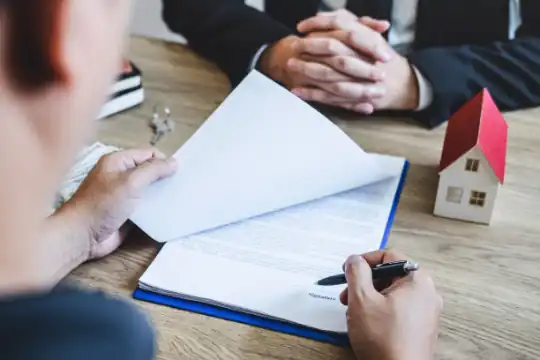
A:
(262, 150)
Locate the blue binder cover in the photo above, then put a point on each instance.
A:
(254, 320)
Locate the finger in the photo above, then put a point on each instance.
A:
(328, 22)
(359, 280)
(344, 297)
(363, 108)
(340, 36)
(387, 286)
(323, 58)
(339, 12)
(323, 46)
(129, 159)
(352, 66)
(382, 256)
(355, 91)
(380, 26)
(316, 71)
(369, 42)
(358, 35)
(319, 95)
(395, 284)
(363, 40)
(152, 171)
(140, 156)
(342, 21)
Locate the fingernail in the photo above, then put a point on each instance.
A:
(347, 262)
(364, 108)
(384, 55)
(297, 92)
(159, 155)
(353, 260)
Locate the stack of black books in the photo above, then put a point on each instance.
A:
(126, 93)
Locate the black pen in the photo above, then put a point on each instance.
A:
(388, 270)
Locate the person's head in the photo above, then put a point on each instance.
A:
(60, 56)
(58, 59)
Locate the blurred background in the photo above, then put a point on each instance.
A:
(147, 18)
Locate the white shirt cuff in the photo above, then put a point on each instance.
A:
(425, 91)
(257, 56)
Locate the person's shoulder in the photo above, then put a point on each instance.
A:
(73, 324)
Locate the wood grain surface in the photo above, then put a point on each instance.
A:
(489, 276)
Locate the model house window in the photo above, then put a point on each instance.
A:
(477, 198)
(454, 194)
(472, 165)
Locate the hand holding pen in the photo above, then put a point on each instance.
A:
(403, 318)
(384, 271)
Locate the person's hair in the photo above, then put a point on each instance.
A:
(33, 34)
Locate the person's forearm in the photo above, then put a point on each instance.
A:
(62, 244)
(67, 242)
(26, 189)
(227, 32)
(509, 70)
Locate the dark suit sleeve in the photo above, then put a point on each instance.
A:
(227, 32)
(510, 70)
(70, 324)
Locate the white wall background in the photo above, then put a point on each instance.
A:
(147, 19)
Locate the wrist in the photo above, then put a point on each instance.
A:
(409, 92)
(406, 357)
(274, 58)
(72, 225)
(420, 352)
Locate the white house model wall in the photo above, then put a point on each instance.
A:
(467, 189)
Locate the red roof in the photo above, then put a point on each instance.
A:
(477, 123)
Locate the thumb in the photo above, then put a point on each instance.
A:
(380, 26)
(152, 171)
(360, 280)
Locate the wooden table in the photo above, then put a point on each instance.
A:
(489, 275)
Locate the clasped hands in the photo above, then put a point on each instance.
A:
(343, 61)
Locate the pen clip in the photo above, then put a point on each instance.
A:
(396, 262)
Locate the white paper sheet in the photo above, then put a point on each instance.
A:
(269, 264)
(262, 150)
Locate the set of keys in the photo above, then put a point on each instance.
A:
(161, 125)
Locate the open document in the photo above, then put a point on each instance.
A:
(262, 150)
(269, 198)
(269, 265)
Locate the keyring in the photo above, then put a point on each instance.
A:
(160, 125)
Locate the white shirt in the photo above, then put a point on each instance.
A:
(403, 22)
(402, 35)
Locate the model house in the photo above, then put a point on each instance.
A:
(473, 161)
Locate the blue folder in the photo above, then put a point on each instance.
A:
(254, 320)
